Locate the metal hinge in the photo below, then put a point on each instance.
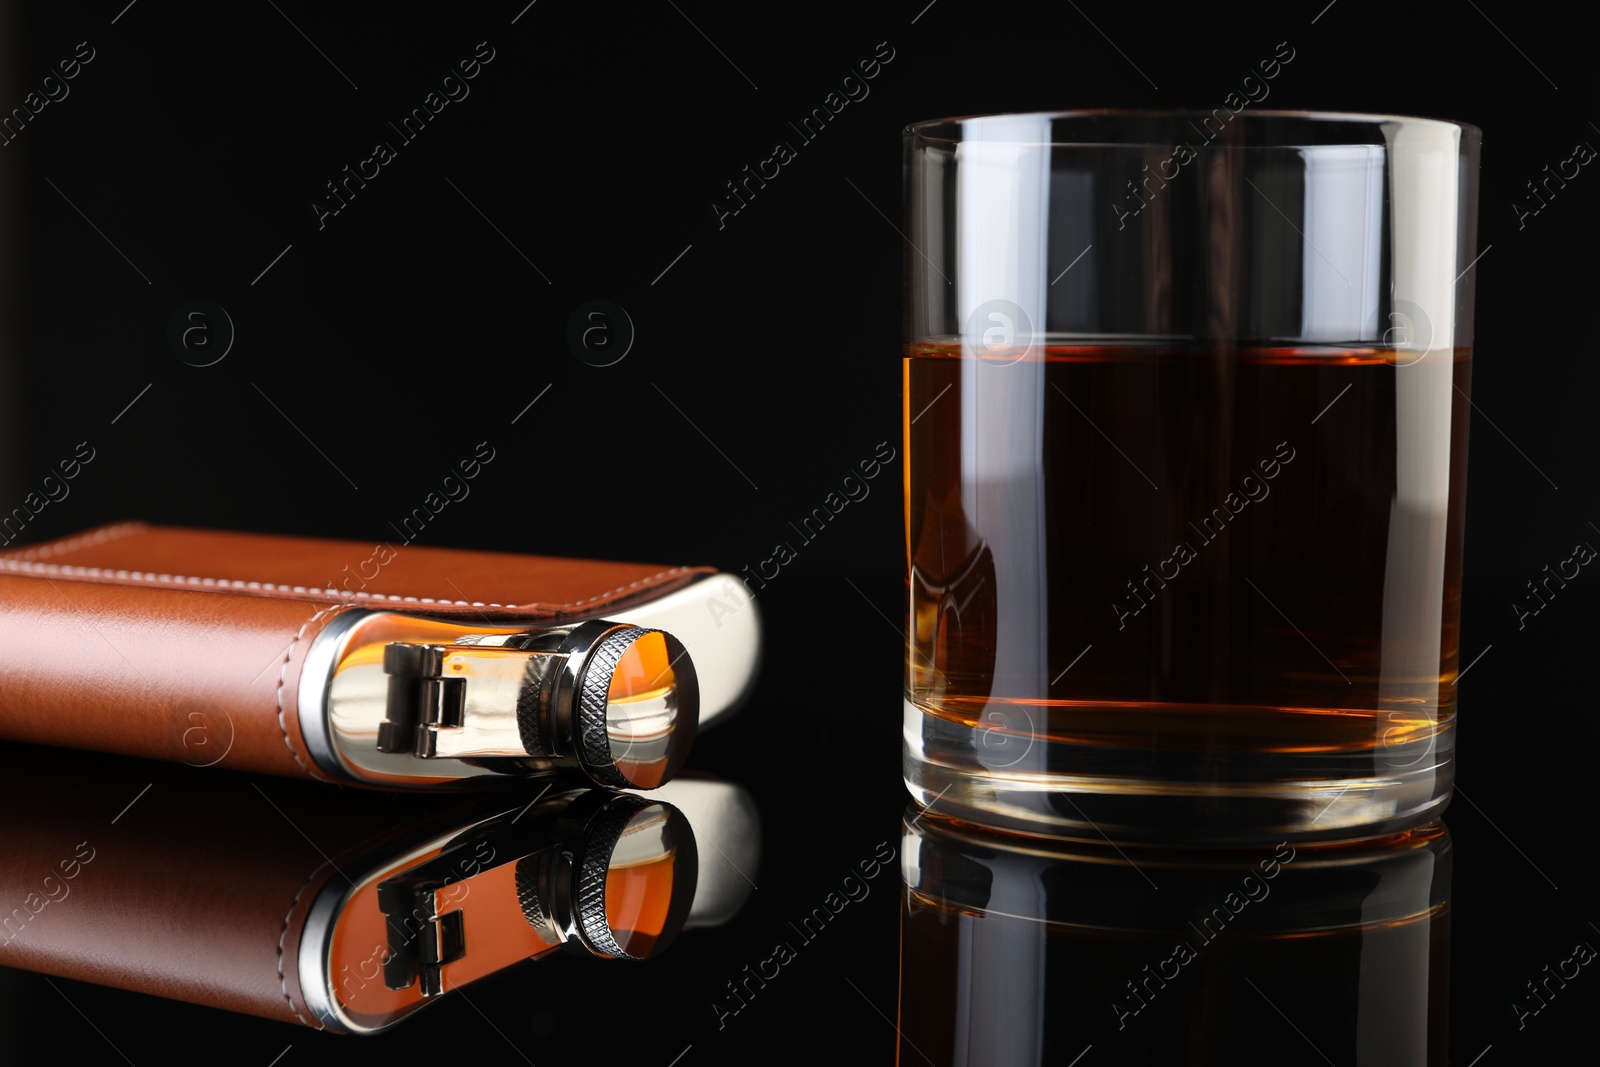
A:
(422, 698)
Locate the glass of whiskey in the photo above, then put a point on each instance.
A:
(1185, 418)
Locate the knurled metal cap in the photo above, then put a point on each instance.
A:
(634, 870)
(638, 704)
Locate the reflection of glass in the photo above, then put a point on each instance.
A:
(1193, 389)
(209, 889)
(1022, 950)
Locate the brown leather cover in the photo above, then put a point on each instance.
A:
(158, 641)
(180, 883)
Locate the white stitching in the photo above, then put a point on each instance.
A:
(283, 981)
(94, 537)
(283, 673)
(353, 849)
(17, 564)
(624, 588)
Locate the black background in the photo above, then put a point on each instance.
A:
(384, 344)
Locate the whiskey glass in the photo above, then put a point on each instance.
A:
(1185, 415)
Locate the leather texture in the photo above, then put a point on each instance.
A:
(180, 883)
(186, 645)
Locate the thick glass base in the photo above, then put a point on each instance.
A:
(1222, 788)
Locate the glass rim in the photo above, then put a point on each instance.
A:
(922, 130)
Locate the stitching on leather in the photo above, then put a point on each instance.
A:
(283, 981)
(93, 537)
(624, 588)
(283, 673)
(67, 570)
(351, 850)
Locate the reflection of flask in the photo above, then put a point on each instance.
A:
(1022, 950)
(953, 631)
(201, 892)
(950, 716)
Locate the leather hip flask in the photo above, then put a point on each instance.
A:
(400, 668)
